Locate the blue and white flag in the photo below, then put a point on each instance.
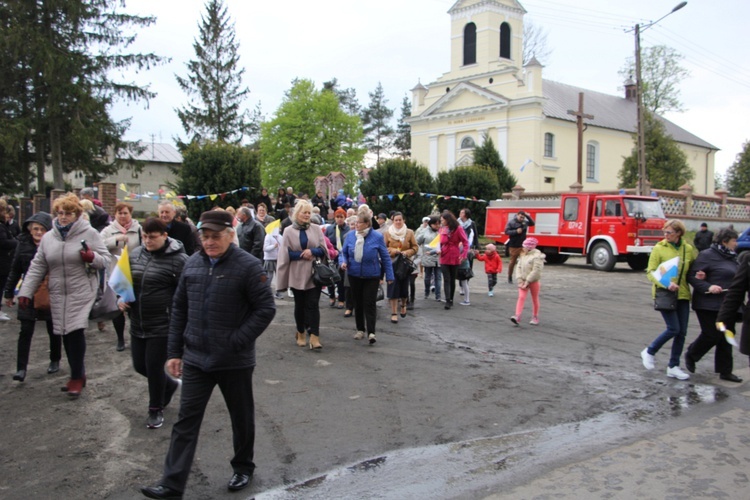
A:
(526, 163)
(667, 271)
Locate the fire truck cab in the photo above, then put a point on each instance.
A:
(605, 228)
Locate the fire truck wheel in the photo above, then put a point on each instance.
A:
(602, 258)
(638, 261)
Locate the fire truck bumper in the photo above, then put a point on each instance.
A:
(635, 249)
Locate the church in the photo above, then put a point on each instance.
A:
(489, 90)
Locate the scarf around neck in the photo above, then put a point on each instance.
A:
(359, 245)
(64, 230)
(397, 234)
(300, 226)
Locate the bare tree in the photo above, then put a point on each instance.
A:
(535, 43)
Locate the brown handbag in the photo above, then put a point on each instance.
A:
(41, 297)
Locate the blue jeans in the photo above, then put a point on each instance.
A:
(432, 277)
(677, 324)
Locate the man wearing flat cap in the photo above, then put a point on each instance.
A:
(222, 304)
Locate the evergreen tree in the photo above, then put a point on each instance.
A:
(487, 155)
(217, 167)
(398, 176)
(376, 119)
(666, 163)
(58, 60)
(214, 82)
(738, 175)
(402, 142)
(478, 182)
(309, 136)
(347, 97)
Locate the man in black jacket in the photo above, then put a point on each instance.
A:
(516, 230)
(175, 229)
(252, 234)
(223, 303)
(703, 238)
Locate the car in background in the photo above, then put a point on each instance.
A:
(743, 242)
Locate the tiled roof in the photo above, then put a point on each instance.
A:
(153, 152)
(609, 111)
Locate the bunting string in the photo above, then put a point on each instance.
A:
(188, 197)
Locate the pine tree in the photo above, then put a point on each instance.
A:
(666, 163)
(215, 81)
(60, 56)
(738, 175)
(487, 155)
(347, 97)
(402, 142)
(376, 120)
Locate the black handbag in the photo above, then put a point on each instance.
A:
(325, 273)
(380, 294)
(665, 299)
(403, 267)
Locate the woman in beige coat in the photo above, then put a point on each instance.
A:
(528, 276)
(124, 230)
(303, 242)
(73, 280)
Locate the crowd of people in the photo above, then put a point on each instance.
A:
(228, 270)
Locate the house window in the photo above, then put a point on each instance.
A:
(467, 143)
(592, 161)
(505, 41)
(549, 145)
(134, 192)
(470, 44)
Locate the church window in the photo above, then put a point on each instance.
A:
(467, 143)
(592, 161)
(505, 41)
(470, 44)
(549, 145)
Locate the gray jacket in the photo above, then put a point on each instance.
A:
(430, 256)
(72, 284)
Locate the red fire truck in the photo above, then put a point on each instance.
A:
(605, 228)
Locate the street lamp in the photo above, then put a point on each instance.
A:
(641, 188)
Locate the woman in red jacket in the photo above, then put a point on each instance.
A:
(454, 247)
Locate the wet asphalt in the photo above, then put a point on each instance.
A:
(452, 404)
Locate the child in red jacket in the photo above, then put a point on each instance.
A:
(493, 265)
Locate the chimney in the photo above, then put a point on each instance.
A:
(631, 91)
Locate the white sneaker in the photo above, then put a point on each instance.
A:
(4, 317)
(465, 303)
(490, 293)
(460, 292)
(371, 338)
(648, 359)
(359, 335)
(676, 372)
(289, 292)
(534, 320)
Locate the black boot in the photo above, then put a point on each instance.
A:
(20, 375)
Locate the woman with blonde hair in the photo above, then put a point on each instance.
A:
(302, 243)
(365, 259)
(673, 245)
(70, 254)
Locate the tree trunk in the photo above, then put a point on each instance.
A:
(40, 165)
(56, 151)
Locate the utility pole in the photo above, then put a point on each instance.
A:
(580, 115)
(642, 179)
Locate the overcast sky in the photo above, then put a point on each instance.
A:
(399, 42)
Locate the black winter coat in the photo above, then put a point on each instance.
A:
(511, 229)
(25, 252)
(735, 297)
(720, 269)
(8, 245)
(155, 278)
(219, 311)
(703, 240)
(182, 232)
(251, 238)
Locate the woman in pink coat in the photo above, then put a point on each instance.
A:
(454, 247)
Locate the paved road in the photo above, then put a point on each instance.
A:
(447, 404)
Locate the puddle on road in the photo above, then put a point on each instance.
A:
(464, 468)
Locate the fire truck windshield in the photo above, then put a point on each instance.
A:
(646, 209)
